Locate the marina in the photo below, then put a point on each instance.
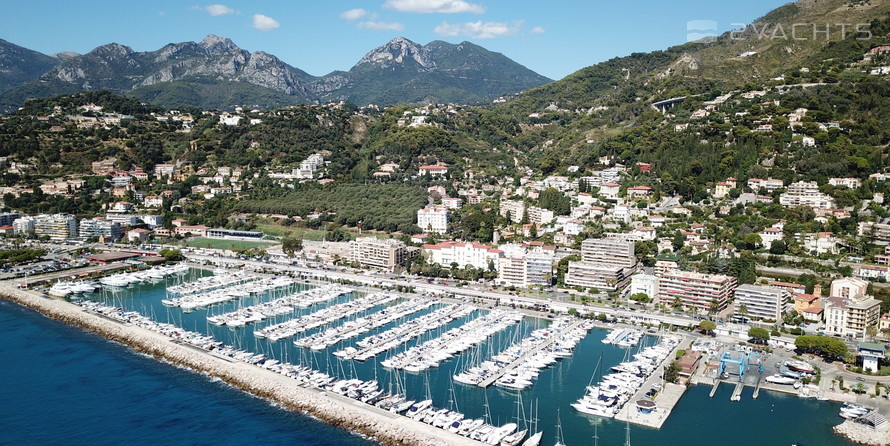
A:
(466, 406)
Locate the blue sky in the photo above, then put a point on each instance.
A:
(553, 37)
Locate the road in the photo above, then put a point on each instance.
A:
(492, 297)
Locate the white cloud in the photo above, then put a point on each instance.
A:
(538, 30)
(479, 30)
(215, 10)
(381, 26)
(353, 14)
(433, 6)
(265, 23)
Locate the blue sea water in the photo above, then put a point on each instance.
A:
(61, 385)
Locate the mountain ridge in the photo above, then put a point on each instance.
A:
(390, 73)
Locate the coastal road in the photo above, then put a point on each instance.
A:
(491, 297)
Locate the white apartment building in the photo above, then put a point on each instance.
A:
(851, 315)
(99, 227)
(23, 225)
(433, 219)
(644, 284)
(850, 183)
(539, 216)
(848, 287)
(526, 265)
(805, 193)
(762, 302)
(56, 226)
(309, 167)
(695, 290)
(472, 254)
(452, 203)
(380, 253)
(770, 184)
(512, 209)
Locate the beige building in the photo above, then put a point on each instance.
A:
(695, 290)
(56, 226)
(380, 253)
(606, 264)
(850, 311)
(805, 193)
(762, 302)
(512, 209)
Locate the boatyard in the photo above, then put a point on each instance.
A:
(243, 318)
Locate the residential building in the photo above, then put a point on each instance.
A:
(873, 272)
(722, 189)
(137, 235)
(770, 184)
(606, 264)
(805, 193)
(165, 170)
(152, 201)
(23, 226)
(387, 254)
(234, 234)
(704, 292)
(539, 216)
(850, 183)
(56, 226)
(851, 316)
(877, 231)
(514, 210)
(433, 170)
(526, 265)
(452, 203)
(610, 190)
(104, 167)
(761, 302)
(472, 254)
(7, 218)
(644, 284)
(99, 227)
(809, 306)
(639, 191)
(848, 287)
(433, 219)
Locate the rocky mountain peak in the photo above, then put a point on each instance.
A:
(398, 51)
(215, 44)
(112, 49)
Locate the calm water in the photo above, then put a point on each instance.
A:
(93, 391)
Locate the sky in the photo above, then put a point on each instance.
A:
(553, 37)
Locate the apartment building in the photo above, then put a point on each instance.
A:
(7, 218)
(539, 216)
(761, 302)
(472, 254)
(380, 253)
(99, 227)
(512, 209)
(850, 183)
(56, 226)
(605, 264)
(805, 193)
(433, 219)
(23, 226)
(695, 290)
(644, 284)
(849, 310)
(526, 265)
(877, 231)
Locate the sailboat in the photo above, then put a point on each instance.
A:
(560, 441)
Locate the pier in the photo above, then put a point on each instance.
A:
(737, 392)
(668, 397)
(494, 377)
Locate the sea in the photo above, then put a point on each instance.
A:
(62, 385)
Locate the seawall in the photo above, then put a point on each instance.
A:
(380, 425)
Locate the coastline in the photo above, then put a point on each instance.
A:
(381, 426)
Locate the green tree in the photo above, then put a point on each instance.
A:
(707, 327)
(172, 255)
(777, 247)
(759, 334)
(291, 245)
(672, 372)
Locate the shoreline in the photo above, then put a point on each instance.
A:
(378, 425)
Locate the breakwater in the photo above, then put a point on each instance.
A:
(380, 425)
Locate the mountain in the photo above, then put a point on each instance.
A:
(216, 73)
(20, 65)
(403, 71)
(771, 46)
(190, 73)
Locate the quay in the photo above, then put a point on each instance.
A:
(665, 401)
(520, 360)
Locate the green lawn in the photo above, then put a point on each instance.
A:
(227, 244)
